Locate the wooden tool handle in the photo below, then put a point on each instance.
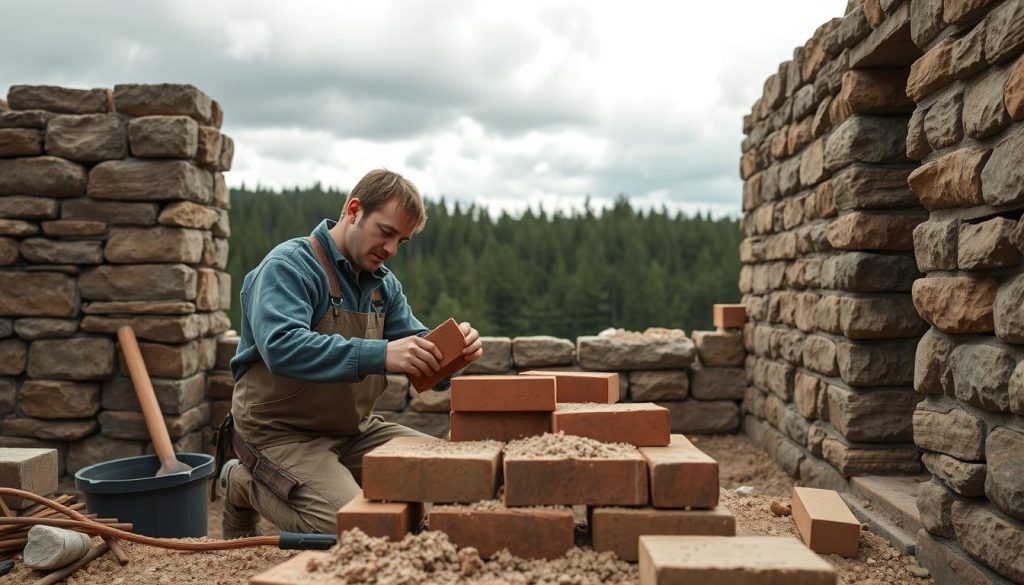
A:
(147, 398)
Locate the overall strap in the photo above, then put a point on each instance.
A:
(332, 275)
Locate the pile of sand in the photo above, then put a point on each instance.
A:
(645, 335)
(568, 447)
(438, 447)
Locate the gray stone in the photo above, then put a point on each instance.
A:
(160, 329)
(46, 251)
(703, 416)
(968, 56)
(164, 99)
(651, 385)
(790, 456)
(819, 473)
(157, 244)
(935, 504)
(954, 432)
(779, 379)
(715, 383)
(15, 207)
(1004, 483)
(111, 212)
(8, 251)
(931, 364)
(42, 176)
(719, 348)
(990, 538)
(497, 358)
(77, 358)
(917, 141)
(819, 354)
(90, 138)
(395, 394)
(65, 430)
(1006, 312)
(796, 428)
(850, 460)
(163, 137)
(987, 245)
(867, 139)
(981, 375)
(635, 352)
(873, 417)
(877, 364)
(966, 479)
(139, 282)
(41, 327)
(59, 399)
(119, 424)
(146, 180)
(42, 294)
(935, 245)
(430, 400)
(879, 317)
(925, 20)
(57, 99)
(1017, 390)
(864, 272)
(984, 112)
(944, 122)
(948, 564)
(1004, 31)
(6, 328)
(227, 154)
(873, 187)
(48, 547)
(852, 29)
(433, 424)
(175, 396)
(1002, 178)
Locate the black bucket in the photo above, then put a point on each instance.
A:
(169, 506)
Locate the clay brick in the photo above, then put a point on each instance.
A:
(746, 560)
(31, 470)
(618, 530)
(503, 393)
(450, 340)
(682, 476)
(413, 469)
(539, 481)
(392, 520)
(641, 424)
(498, 426)
(825, 522)
(600, 387)
(514, 529)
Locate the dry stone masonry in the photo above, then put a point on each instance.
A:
(883, 268)
(113, 211)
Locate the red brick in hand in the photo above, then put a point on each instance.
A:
(602, 387)
(391, 520)
(498, 426)
(503, 393)
(682, 476)
(449, 339)
(642, 423)
(414, 469)
(526, 533)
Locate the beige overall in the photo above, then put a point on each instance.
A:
(316, 432)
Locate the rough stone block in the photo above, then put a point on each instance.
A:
(957, 304)
(954, 432)
(966, 479)
(63, 431)
(825, 523)
(932, 71)
(852, 461)
(719, 348)
(30, 470)
(58, 99)
(873, 417)
(944, 121)
(79, 358)
(20, 142)
(819, 355)
(114, 213)
(502, 393)
(703, 416)
(157, 244)
(681, 475)
(188, 215)
(511, 529)
(626, 352)
(160, 329)
(46, 251)
(97, 448)
(42, 176)
(208, 146)
(917, 140)
(864, 272)
(1013, 93)
(872, 187)
(947, 563)
(1009, 320)
(59, 399)
(1003, 482)
(650, 385)
(497, 358)
(618, 529)
(13, 356)
(175, 396)
(144, 180)
(164, 99)
(875, 364)
(879, 317)
(867, 139)
(953, 180)
(163, 137)
(874, 231)
(118, 424)
(391, 520)
(981, 375)
(1004, 31)
(984, 111)
(90, 138)
(710, 384)
(411, 469)
(935, 245)
(1002, 179)
(139, 282)
(16, 207)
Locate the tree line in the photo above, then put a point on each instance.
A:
(531, 274)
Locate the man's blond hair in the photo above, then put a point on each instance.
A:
(379, 187)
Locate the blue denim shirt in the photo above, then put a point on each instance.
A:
(287, 295)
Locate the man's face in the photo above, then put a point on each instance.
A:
(373, 239)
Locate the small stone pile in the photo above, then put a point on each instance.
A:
(113, 211)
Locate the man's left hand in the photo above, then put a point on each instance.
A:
(474, 348)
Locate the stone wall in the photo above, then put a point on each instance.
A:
(969, 94)
(113, 211)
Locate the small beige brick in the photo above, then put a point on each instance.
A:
(31, 470)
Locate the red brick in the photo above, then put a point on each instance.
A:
(825, 522)
(391, 520)
(746, 560)
(498, 426)
(449, 339)
(618, 529)
(682, 476)
(414, 469)
(595, 482)
(583, 386)
(503, 393)
(730, 316)
(641, 423)
(526, 533)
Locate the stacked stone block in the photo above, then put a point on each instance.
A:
(828, 257)
(113, 211)
(968, 90)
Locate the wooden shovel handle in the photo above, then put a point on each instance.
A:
(147, 398)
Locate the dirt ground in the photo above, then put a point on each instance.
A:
(740, 463)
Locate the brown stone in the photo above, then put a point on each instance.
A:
(877, 364)
(956, 304)
(98, 448)
(149, 180)
(8, 251)
(85, 209)
(874, 417)
(77, 358)
(981, 375)
(867, 139)
(954, 180)
(931, 71)
(966, 479)
(169, 361)
(968, 56)
(74, 229)
(187, 214)
(874, 91)
(719, 348)
(164, 99)
(703, 416)
(118, 424)
(163, 137)
(207, 289)
(1013, 93)
(935, 505)
(66, 430)
(925, 20)
(935, 245)
(13, 355)
(89, 138)
(174, 395)
(42, 294)
(1004, 31)
(931, 365)
(1009, 319)
(629, 353)
(209, 143)
(1003, 484)
(58, 399)
(42, 327)
(651, 385)
(17, 228)
(713, 383)
(1017, 390)
(160, 329)
(158, 244)
(20, 142)
(994, 540)
(879, 317)
(852, 461)
(987, 245)
(917, 141)
(943, 123)
(984, 112)
(872, 187)
(1002, 179)
(215, 252)
(873, 231)
(227, 154)
(16, 207)
(139, 282)
(57, 99)
(43, 176)
(47, 251)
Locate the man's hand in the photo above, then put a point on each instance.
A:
(474, 348)
(413, 356)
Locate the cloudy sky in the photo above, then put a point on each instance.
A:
(505, 104)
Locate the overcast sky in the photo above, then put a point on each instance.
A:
(506, 104)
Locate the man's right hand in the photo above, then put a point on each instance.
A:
(413, 356)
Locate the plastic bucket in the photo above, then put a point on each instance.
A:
(169, 506)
